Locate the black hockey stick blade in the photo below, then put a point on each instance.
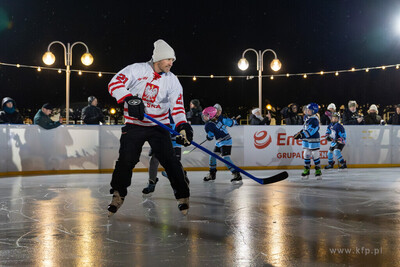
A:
(275, 178)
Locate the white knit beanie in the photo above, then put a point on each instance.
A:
(254, 111)
(162, 50)
(331, 105)
(373, 107)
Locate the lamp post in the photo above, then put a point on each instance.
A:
(275, 65)
(49, 59)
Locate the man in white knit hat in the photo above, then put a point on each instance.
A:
(150, 88)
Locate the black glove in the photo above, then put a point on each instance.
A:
(186, 136)
(299, 135)
(328, 138)
(135, 107)
(209, 138)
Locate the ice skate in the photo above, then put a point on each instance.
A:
(343, 165)
(318, 173)
(237, 178)
(306, 173)
(115, 204)
(150, 188)
(211, 175)
(183, 205)
(329, 166)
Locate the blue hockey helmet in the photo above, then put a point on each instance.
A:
(313, 107)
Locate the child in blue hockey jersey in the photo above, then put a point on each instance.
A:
(311, 141)
(215, 127)
(337, 135)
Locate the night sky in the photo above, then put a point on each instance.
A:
(208, 38)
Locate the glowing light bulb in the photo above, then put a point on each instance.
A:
(305, 76)
(336, 73)
(39, 69)
(194, 78)
(80, 72)
(48, 58)
(276, 64)
(230, 78)
(211, 76)
(397, 66)
(87, 59)
(272, 77)
(18, 65)
(100, 74)
(287, 74)
(383, 67)
(321, 72)
(367, 70)
(243, 64)
(353, 69)
(113, 111)
(59, 71)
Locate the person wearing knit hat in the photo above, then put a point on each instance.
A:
(151, 88)
(395, 118)
(351, 116)
(92, 114)
(162, 50)
(372, 117)
(327, 116)
(257, 119)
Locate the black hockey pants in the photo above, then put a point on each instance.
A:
(131, 143)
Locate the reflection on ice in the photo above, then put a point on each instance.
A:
(62, 220)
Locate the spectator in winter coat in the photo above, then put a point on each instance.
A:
(9, 114)
(327, 116)
(395, 118)
(372, 117)
(257, 119)
(351, 116)
(43, 120)
(194, 116)
(291, 116)
(91, 114)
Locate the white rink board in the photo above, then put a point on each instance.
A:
(88, 147)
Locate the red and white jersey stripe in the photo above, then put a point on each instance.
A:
(160, 93)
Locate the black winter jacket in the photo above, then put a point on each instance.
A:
(195, 116)
(350, 118)
(256, 121)
(92, 115)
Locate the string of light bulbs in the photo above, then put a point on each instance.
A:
(305, 75)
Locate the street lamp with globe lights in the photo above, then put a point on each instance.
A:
(49, 59)
(275, 65)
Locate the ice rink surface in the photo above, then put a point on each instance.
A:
(350, 218)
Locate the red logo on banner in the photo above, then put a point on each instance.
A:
(150, 92)
(262, 139)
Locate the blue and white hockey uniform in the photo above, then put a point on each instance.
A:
(218, 129)
(311, 139)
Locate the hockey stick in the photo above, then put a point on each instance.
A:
(266, 180)
(187, 152)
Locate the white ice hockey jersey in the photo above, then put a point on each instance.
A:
(160, 93)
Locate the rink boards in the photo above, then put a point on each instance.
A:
(29, 149)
